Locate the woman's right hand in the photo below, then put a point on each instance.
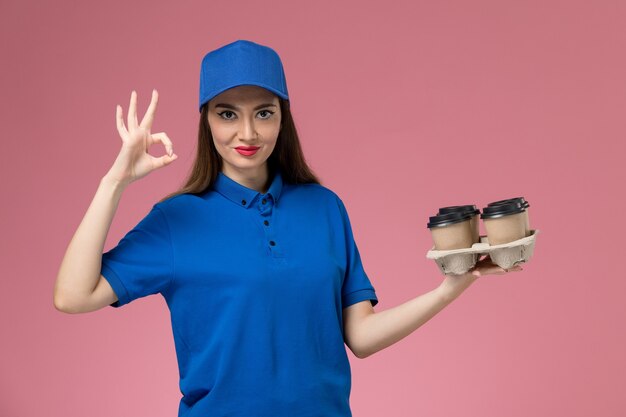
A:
(134, 162)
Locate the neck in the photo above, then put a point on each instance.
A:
(259, 180)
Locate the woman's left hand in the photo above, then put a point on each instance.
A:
(486, 266)
(454, 285)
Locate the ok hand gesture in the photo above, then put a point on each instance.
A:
(134, 162)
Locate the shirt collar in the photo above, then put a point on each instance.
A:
(242, 195)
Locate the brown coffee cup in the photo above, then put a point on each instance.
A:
(451, 230)
(474, 219)
(524, 204)
(504, 222)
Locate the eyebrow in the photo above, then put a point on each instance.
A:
(230, 106)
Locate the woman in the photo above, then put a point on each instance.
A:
(254, 257)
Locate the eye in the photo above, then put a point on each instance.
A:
(267, 111)
(224, 112)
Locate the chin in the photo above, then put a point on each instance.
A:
(247, 164)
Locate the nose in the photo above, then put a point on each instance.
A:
(248, 129)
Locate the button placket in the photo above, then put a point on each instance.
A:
(266, 210)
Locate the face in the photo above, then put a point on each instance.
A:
(244, 116)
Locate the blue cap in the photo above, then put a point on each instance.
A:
(241, 63)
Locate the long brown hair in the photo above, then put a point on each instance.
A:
(287, 156)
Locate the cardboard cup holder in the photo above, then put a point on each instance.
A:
(506, 255)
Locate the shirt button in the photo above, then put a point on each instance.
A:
(272, 243)
(265, 222)
(264, 201)
(243, 202)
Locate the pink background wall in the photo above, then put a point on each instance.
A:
(403, 107)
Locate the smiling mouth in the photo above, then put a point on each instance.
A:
(246, 152)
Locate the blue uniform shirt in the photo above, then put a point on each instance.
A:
(255, 284)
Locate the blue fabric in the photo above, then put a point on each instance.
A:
(242, 62)
(258, 328)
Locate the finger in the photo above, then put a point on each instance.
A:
(161, 161)
(120, 121)
(486, 263)
(146, 122)
(165, 140)
(132, 111)
(135, 112)
(492, 270)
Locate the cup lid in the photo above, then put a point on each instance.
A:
(508, 200)
(441, 220)
(503, 209)
(470, 208)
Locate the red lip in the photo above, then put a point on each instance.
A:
(247, 148)
(247, 152)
